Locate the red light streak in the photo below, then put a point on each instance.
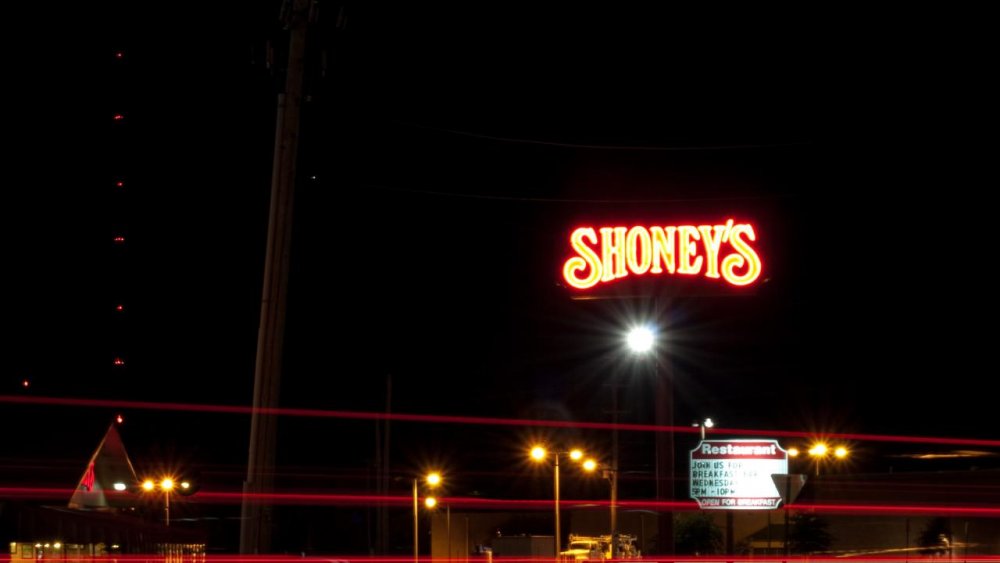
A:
(222, 497)
(479, 420)
(119, 117)
(356, 558)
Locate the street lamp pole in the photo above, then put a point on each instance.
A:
(416, 519)
(642, 340)
(433, 480)
(538, 453)
(557, 504)
(614, 512)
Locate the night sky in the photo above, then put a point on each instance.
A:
(446, 156)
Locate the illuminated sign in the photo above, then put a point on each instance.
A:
(736, 474)
(714, 251)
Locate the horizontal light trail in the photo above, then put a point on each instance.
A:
(351, 558)
(478, 420)
(222, 497)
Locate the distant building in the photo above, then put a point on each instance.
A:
(101, 518)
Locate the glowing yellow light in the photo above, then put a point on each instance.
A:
(148, 485)
(430, 502)
(663, 249)
(639, 250)
(589, 465)
(538, 453)
(793, 452)
(745, 257)
(613, 253)
(687, 249)
(434, 479)
(576, 455)
(185, 485)
(718, 251)
(57, 545)
(167, 484)
(587, 259)
(840, 452)
(818, 450)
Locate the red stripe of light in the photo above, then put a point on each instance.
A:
(478, 420)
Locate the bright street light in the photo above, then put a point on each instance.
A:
(433, 479)
(703, 425)
(538, 453)
(641, 339)
(167, 486)
(820, 451)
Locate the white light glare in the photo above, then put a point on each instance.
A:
(640, 339)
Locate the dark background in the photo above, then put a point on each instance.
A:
(446, 155)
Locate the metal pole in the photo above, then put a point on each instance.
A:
(664, 457)
(448, 527)
(557, 505)
(614, 470)
(907, 550)
(256, 515)
(788, 499)
(416, 537)
(614, 512)
(166, 497)
(965, 557)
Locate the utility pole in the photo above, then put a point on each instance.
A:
(256, 517)
(664, 417)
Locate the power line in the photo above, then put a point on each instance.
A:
(588, 146)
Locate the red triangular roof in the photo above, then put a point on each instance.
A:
(109, 465)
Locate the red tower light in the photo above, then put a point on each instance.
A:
(119, 240)
(119, 362)
(119, 117)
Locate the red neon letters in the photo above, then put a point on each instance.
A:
(715, 251)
